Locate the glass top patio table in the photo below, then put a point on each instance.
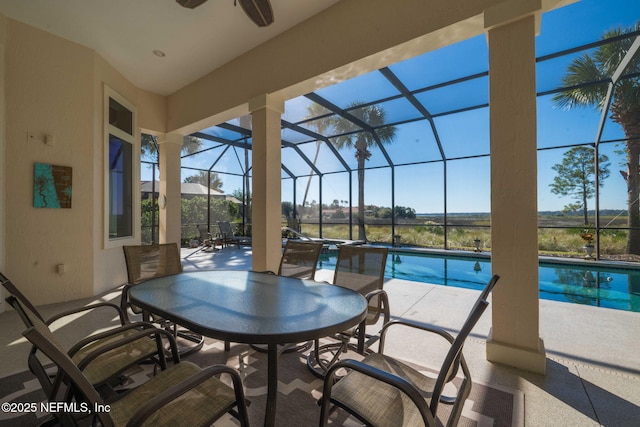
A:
(253, 308)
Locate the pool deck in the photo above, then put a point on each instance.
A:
(593, 368)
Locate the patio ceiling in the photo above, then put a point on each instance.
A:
(127, 33)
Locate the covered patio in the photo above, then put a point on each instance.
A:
(66, 103)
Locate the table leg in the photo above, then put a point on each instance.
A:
(272, 385)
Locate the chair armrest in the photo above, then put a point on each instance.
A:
(424, 327)
(126, 304)
(386, 377)
(87, 308)
(427, 328)
(124, 299)
(106, 334)
(384, 298)
(143, 333)
(162, 399)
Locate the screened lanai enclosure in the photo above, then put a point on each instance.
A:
(400, 156)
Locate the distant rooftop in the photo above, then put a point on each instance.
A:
(189, 188)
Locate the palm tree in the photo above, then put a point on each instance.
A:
(350, 135)
(315, 110)
(598, 66)
(203, 177)
(149, 146)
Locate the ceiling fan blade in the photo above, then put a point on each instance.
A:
(190, 3)
(259, 11)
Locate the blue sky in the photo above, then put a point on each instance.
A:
(462, 134)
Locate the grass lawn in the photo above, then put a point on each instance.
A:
(558, 235)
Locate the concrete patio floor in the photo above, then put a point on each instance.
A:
(593, 367)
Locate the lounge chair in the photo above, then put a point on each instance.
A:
(207, 241)
(227, 235)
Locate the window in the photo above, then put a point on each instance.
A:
(120, 117)
(120, 200)
(120, 142)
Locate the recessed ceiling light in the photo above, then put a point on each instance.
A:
(159, 53)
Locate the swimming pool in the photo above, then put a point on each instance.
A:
(593, 284)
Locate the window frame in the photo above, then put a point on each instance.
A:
(134, 140)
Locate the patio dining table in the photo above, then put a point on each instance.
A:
(253, 308)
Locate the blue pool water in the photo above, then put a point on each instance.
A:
(591, 284)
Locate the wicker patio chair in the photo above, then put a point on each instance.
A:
(227, 235)
(145, 262)
(182, 395)
(102, 371)
(360, 268)
(396, 393)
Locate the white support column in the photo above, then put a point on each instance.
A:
(266, 221)
(3, 142)
(169, 201)
(514, 339)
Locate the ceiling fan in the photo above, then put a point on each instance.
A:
(259, 11)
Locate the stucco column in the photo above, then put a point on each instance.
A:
(169, 200)
(3, 142)
(266, 221)
(514, 339)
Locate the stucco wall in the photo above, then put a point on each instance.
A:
(48, 90)
(55, 87)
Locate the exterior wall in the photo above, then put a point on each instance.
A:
(48, 90)
(55, 86)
